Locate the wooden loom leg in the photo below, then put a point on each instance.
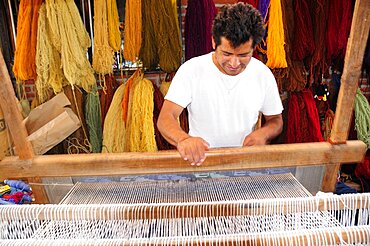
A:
(12, 115)
(349, 84)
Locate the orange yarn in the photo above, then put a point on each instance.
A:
(25, 54)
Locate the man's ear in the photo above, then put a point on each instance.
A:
(213, 43)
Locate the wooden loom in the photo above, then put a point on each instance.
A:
(332, 153)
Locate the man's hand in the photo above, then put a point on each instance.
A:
(255, 138)
(271, 129)
(192, 149)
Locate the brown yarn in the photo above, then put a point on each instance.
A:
(106, 94)
(294, 79)
(162, 144)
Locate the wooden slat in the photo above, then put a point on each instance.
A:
(349, 83)
(281, 155)
(12, 115)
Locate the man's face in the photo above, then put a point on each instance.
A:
(229, 60)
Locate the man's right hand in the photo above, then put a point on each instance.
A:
(192, 149)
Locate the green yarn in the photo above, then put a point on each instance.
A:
(94, 120)
(362, 118)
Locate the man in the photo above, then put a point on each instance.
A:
(224, 91)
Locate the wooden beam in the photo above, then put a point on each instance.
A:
(349, 83)
(12, 115)
(224, 159)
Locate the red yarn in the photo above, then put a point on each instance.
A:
(106, 95)
(363, 168)
(303, 124)
(254, 3)
(339, 25)
(304, 43)
(293, 129)
(313, 117)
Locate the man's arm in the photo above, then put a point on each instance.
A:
(191, 149)
(271, 129)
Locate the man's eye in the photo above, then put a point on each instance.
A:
(226, 54)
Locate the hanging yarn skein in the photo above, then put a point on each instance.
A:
(161, 37)
(198, 27)
(114, 131)
(113, 25)
(25, 54)
(140, 129)
(48, 62)
(71, 39)
(275, 37)
(148, 50)
(103, 53)
(94, 120)
(362, 118)
(133, 29)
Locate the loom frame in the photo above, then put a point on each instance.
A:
(331, 154)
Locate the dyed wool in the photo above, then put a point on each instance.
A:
(103, 53)
(140, 128)
(70, 38)
(132, 32)
(94, 120)
(198, 24)
(114, 131)
(24, 57)
(362, 118)
(275, 37)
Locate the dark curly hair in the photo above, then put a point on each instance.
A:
(238, 23)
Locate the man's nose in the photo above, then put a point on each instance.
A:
(234, 61)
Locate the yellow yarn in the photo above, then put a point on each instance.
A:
(114, 131)
(164, 87)
(103, 53)
(140, 129)
(161, 36)
(71, 39)
(48, 63)
(113, 25)
(149, 51)
(168, 36)
(133, 28)
(275, 37)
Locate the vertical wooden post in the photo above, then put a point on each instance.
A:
(349, 83)
(12, 115)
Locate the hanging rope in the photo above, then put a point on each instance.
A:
(133, 29)
(362, 118)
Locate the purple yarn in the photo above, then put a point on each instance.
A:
(198, 27)
(263, 6)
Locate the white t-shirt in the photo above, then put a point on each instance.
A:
(224, 109)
